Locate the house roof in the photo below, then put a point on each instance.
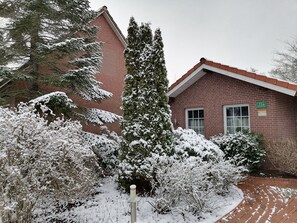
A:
(201, 68)
(104, 11)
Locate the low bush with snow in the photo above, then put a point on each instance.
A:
(42, 164)
(195, 174)
(187, 143)
(140, 171)
(243, 148)
(106, 147)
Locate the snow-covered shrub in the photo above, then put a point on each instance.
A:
(106, 147)
(244, 149)
(189, 184)
(195, 173)
(41, 163)
(187, 143)
(140, 172)
(16, 202)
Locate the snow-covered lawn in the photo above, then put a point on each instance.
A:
(110, 205)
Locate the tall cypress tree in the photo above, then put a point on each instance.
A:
(147, 130)
(162, 123)
(137, 39)
(50, 42)
(130, 92)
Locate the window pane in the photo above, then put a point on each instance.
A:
(229, 111)
(245, 111)
(201, 113)
(191, 123)
(237, 121)
(230, 122)
(196, 122)
(190, 114)
(236, 111)
(245, 121)
(196, 114)
(201, 123)
(230, 130)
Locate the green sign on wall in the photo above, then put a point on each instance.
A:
(262, 104)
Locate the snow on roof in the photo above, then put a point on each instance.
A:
(199, 70)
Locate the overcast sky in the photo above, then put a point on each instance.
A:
(240, 33)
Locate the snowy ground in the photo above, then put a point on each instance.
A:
(111, 206)
(285, 193)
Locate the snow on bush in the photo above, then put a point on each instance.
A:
(140, 171)
(106, 147)
(53, 104)
(188, 143)
(195, 174)
(99, 117)
(244, 149)
(40, 163)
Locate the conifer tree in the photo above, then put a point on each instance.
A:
(147, 129)
(129, 97)
(50, 42)
(162, 114)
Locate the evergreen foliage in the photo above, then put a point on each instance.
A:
(50, 42)
(146, 124)
(244, 149)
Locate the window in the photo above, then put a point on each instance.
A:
(236, 118)
(195, 120)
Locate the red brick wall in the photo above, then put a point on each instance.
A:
(213, 91)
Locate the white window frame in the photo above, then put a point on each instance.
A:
(232, 106)
(186, 117)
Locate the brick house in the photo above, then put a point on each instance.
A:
(213, 98)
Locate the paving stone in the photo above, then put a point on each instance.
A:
(266, 200)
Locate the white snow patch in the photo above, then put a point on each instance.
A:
(110, 205)
(224, 205)
(3, 22)
(100, 117)
(17, 63)
(57, 94)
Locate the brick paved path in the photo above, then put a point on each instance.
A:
(266, 200)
